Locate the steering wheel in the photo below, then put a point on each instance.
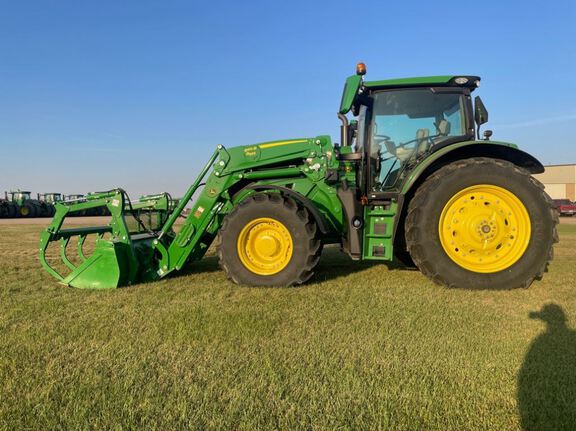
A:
(388, 143)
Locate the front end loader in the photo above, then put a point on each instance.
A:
(411, 180)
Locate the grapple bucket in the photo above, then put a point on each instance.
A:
(122, 253)
(139, 243)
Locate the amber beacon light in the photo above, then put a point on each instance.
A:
(360, 69)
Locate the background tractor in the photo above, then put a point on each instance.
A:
(47, 201)
(411, 178)
(8, 209)
(25, 205)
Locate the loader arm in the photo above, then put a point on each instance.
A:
(291, 160)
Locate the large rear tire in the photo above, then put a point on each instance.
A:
(12, 210)
(481, 223)
(269, 240)
(28, 210)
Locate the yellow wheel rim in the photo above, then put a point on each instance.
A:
(484, 228)
(24, 211)
(265, 246)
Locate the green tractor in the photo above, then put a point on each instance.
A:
(411, 179)
(25, 206)
(8, 209)
(47, 202)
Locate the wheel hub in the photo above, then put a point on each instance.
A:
(265, 246)
(484, 228)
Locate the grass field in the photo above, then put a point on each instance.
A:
(361, 347)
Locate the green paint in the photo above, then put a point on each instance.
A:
(350, 92)
(407, 82)
(422, 165)
(378, 233)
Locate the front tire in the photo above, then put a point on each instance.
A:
(269, 240)
(481, 223)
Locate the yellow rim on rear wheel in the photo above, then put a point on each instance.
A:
(265, 246)
(484, 228)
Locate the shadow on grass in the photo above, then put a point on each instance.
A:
(547, 380)
(207, 264)
(333, 264)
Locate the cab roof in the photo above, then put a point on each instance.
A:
(426, 81)
(355, 83)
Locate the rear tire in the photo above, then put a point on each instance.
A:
(493, 265)
(269, 240)
(12, 210)
(28, 210)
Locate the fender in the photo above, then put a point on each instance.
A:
(470, 149)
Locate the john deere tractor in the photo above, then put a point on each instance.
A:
(8, 209)
(412, 179)
(47, 201)
(25, 205)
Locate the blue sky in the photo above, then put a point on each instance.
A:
(98, 94)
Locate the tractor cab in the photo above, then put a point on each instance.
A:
(401, 121)
(19, 196)
(50, 197)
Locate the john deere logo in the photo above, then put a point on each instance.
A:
(252, 153)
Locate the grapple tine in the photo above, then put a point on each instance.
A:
(63, 245)
(80, 246)
(46, 265)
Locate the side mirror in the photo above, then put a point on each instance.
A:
(480, 112)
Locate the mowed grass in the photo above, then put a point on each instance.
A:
(362, 346)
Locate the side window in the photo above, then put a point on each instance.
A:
(360, 137)
(454, 118)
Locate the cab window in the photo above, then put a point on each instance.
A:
(408, 123)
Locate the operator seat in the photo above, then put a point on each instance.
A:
(421, 144)
(422, 141)
(442, 130)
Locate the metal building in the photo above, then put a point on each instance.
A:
(560, 181)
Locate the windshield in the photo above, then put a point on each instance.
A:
(409, 122)
(22, 195)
